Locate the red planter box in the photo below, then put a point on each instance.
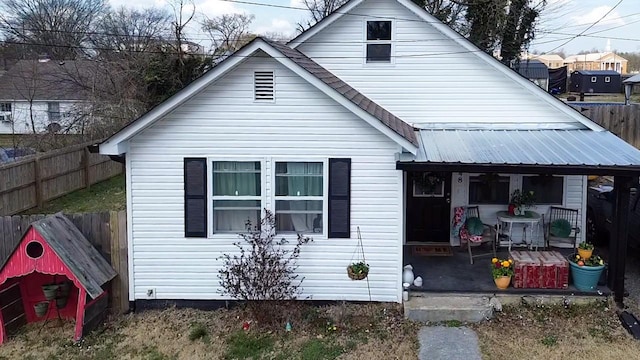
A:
(527, 269)
(540, 269)
(555, 270)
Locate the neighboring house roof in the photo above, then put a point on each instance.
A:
(635, 79)
(591, 57)
(73, 249)
(546, 57)
(584, 148)
(598, 72)
(315, 74)
(51, 80)
(460, 40)
(533, 69)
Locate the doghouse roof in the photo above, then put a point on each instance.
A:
(75, 251)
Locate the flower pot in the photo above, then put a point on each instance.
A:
(41, 308)
(585, 254)
(512, 209)
(356, 276)
(50, 291)
(502, 282)
(585, 278)
(61, 302)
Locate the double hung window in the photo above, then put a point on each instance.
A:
(236, 195)
(299, 197)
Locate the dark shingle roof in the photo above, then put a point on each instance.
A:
(51, 80)
(84, 261)
(391, 121)
(533, 69)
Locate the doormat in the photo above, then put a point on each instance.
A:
(432, 249)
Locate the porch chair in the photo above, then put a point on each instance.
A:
(488, 235)
(562, 226)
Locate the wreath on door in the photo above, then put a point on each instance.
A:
(429, 181)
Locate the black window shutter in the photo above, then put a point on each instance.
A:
(195, 197)
(339, 198)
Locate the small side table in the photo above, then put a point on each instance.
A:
(530, 221)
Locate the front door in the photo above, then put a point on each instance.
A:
(428, 206)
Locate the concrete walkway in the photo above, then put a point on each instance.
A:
(448, 343)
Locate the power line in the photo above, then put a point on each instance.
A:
(587, 29)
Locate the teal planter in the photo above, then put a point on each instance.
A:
(585, 278)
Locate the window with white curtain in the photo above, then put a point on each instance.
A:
(299, 196)
(236, 195)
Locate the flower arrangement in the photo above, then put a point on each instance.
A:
(594, 260)
(585, 246)
(520, 198)
(501, 267)
(429, 181)
(358, 270)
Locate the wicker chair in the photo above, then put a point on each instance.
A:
(487, 237)
(560, 213)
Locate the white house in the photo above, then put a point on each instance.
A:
(40, 96)
(331, 132)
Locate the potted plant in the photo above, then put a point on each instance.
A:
(502, 271)
(358, 270)
(585, 250)
(520, 201)
(585, 273)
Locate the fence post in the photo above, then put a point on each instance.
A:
(87, 167)
(38, 182)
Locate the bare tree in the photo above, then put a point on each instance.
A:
(228, 32)
(319, 9)
(132, 32)
(59, 28)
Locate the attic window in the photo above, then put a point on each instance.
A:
(263, 86)
(378, 41)
(594, 79)
(607, 79)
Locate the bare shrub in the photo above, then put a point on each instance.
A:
(263, 272)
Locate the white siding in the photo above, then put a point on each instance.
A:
(432, 78)
(574, 197)
(23, 113)
(225, 121)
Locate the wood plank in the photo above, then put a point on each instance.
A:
(123, 266)
(115, 261)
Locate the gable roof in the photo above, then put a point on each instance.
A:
(394, 123)
(390, 125)
(464, 43)
(82, 258)
(533, 69)
(50, 80)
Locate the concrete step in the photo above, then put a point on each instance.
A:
(440, 308)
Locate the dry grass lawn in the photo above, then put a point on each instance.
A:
(375, 331)
(362, 332)
(553, 332)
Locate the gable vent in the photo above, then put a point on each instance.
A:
(263, 86)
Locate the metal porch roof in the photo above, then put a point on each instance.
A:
(527, 147)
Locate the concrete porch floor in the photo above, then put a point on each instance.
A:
(454, 274)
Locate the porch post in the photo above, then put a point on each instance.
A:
(619, 236)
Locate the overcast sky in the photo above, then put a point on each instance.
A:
(563, 20)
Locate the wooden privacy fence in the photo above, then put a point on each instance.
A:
(107, 231)
(29, 182)
(622, 120)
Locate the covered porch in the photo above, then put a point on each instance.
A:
(460, 156)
